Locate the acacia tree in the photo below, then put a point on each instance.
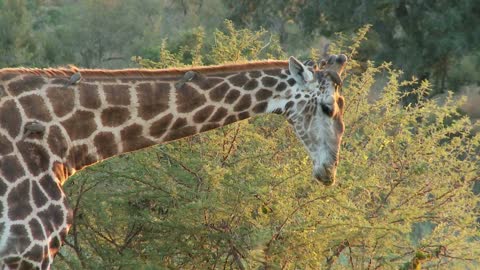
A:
(241, 197)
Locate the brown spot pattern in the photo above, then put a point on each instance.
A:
(35, 156)
(269, 81)
(217, 93)
(6, 146)
(45, 263)
(263, 94)
(273, 72)
(56, 142)
(19, 202)
(12, 262)
(243, 104)
(132, 138)
(289, 105)
(100, 79)
(180, 122)
(28, 83)
(62, 81)
(260, 107)
(2, 91)
(80, 125)
(209, 126)
(188, 99)
(243, 115)
(35, 254)
(19, 240)
(219, 115)
(281, 86)
(203, 114)
(51, 218)
(10, 118)
(232, 96)
(51, 187)
(158, 128)
(115, 116)
(250, 85)
(255, 74)
(7, 76)
(230, 119)
(38, 197)
(79, 157)
(180, 133)
(89, 97)
(35, 108)
(206, 83)
(10, 168)
(239, 80)
(117, 94)
(291, 81)
(3, 189)
(105, 144)
(62, 100)
(153, 100)
(36, 229)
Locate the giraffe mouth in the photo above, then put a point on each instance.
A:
(325, 175)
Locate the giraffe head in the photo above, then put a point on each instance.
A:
(315, 110)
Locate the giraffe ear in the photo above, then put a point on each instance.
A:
(300, 73)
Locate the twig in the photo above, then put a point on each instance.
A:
(266, 45)
(225, 157)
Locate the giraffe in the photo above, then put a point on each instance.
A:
(51, 128)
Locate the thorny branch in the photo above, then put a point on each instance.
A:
(76, 245)
(232, 144)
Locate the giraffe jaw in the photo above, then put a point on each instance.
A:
(324, 154)
(317, 115)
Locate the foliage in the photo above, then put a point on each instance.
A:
(426, 39)
(230, 45)
(17, 43)
(240, 45)
(241, 197)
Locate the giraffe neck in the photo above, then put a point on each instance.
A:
(113, 112)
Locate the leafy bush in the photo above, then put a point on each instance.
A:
(241, 197)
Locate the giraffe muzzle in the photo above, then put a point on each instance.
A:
(325, 175)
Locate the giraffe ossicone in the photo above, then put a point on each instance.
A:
(104, 113)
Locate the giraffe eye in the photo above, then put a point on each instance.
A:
(326, 109)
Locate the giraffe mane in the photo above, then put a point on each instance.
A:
(135, 72)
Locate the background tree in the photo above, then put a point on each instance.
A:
(17, 42)
(425, 39)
